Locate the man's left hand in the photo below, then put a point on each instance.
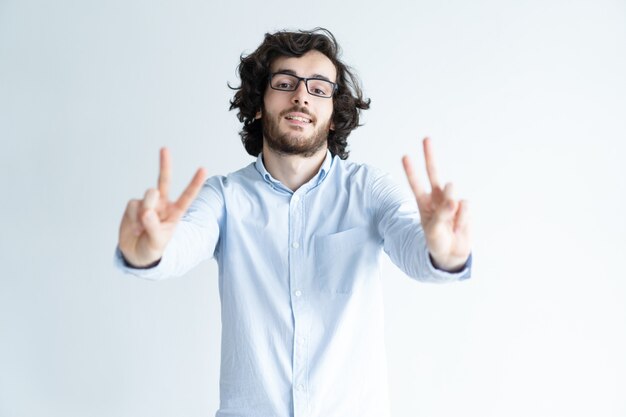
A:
(445, 220)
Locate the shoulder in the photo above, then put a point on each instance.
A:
(377, 183)
(217, 187)
(243, 176)
(360, 172)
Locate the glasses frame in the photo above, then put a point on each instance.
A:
(306, 84)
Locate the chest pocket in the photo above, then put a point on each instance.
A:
(339, 260)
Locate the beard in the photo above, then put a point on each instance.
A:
(293, 141)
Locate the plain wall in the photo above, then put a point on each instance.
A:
(526, 106)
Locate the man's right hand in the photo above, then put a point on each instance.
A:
(148, 224)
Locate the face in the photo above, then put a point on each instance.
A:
(296, 122)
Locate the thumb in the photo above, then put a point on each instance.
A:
(149, 218)
(151, 222)
(448, 207)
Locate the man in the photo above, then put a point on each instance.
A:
(298, 236)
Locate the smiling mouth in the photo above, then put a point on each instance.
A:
(298, 119)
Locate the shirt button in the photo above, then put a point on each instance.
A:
(295, 245)
(300, 387)
(296, 198)
(298, 293)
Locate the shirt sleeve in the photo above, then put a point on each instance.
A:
(195, 239)
(397, 219)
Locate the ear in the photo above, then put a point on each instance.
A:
(258, 115)
(332, 126)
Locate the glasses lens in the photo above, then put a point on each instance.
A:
(320, 88)
(284, 82)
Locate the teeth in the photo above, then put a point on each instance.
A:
(301, 119)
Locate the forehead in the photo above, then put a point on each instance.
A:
(311, 64)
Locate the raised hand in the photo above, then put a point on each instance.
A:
(444, 219)
(148, 224)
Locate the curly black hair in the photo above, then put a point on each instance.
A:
(254, 72)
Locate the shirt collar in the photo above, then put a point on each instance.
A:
(314, 182)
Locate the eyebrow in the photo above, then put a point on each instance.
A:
(292, 72)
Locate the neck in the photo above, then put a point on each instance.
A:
(292, 170)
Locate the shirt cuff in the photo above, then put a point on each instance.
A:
(150, 272)
(462, 274)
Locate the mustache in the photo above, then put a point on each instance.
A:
(297, 109)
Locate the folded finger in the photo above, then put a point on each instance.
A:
(132, 214)
(150, 199)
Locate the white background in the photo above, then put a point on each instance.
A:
(526, 105)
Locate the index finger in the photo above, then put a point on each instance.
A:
(165, 173)
(430, 164)
(192, 190)
(414, 183)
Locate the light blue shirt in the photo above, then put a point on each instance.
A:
(300, 285)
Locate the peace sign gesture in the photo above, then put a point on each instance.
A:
(148, 225)
(445, 220)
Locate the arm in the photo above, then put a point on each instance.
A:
(398, 223)
(432, 245)
(445, 220)
(160, 238)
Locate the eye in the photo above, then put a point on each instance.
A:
(320, 87)
(283, 82)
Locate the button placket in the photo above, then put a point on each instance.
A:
(299, 304)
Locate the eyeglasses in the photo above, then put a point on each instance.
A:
(315, 86)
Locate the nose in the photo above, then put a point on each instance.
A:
(300, 95)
